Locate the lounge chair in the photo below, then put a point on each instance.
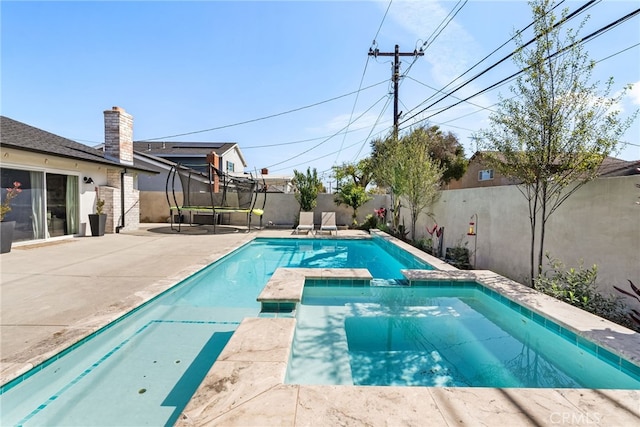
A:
(306, 222)
(329, 222)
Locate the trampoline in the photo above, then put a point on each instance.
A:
(206, 196)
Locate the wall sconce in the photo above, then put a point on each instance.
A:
(472, 225)
(88, 180)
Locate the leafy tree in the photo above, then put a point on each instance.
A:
(447, 152)
(360, 173)
(406, 167)
(422, 173)
(388, 171)
(352, 195)
(307, 187)
(553, 135)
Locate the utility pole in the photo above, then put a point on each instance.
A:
(395, 77)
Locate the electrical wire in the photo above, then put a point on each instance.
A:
(279, 144)
(355, 102)
(265, 117)
(428, 43)
(480, 61)
(585, 39)
(384, 108)
(566, 19)
(382, 22)
(517, 96)
(327, 139)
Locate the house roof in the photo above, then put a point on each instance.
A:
(15, 134)
(168, 149)
(611, 166)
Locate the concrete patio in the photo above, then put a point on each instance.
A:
(55, 293)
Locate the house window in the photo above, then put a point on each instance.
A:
(230, 167)
(485, 175)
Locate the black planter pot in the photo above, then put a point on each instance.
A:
(6, 236)
(97, 224)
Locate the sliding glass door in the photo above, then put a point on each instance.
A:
(46, 207)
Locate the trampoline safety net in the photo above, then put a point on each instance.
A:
(207, 195)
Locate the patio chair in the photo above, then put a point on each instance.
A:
(306, 222)
(329, 222)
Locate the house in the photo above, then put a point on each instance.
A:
(226, 156)
(480, 174)
(61, 179)
(162, 156)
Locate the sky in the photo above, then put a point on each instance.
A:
(290, 81)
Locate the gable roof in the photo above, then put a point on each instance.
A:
(15, 134)
(168, 149)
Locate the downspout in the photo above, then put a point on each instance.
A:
(121, 226)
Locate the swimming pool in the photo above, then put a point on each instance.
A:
(144, 368)
(440, 335)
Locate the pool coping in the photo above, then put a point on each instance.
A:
(245, 386)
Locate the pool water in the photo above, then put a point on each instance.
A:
(144, 368)
(454, 336)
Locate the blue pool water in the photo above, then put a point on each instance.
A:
(143, 369)
(456, 336)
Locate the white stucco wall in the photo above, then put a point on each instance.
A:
(17, 159)
(599, 224)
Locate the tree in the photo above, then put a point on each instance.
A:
(447, 152)
(387, 165)
(359, 173)
(423, 174)
(406, 167)
(352, 195)
(307, 188)
(553, 135)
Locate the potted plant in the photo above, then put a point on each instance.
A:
(6, 227)
(98, 220)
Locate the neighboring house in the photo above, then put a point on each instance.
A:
(226, 156)
(480, 174)
(61, 179)
(276, 183)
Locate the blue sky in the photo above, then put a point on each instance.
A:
(185, 67)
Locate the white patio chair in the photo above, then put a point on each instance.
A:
(306, 222)
(329, 222)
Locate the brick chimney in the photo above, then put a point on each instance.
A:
(118, 136)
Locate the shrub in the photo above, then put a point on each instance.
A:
(369, 223)
(578, 287)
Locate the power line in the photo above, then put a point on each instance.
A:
(337, 133)
(585, 39)
(515, 96)
(279, 144)
(481, 61)
(428, 43)
(382, 22)
(355, 102)
(384, 108)
(265, 117)
(440, 91)
(566, 19)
